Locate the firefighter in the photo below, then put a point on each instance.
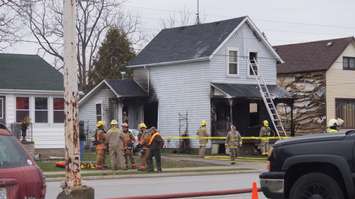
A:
(100, 140)
(156, 143)
(233, 142)
(334, 125)
(143, 145)
(202, 136)
(115, 141)
(128, 141)
(265, 131)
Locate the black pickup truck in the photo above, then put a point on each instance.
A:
(318, 166)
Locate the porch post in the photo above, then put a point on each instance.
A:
(120, 113)
(230, 100)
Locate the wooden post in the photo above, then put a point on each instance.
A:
(72, 187)
(72, 147)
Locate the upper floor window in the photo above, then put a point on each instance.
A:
(98, 112)
(22, 108)
(58, 110)
(349, 63)
(41, 110)
(253, 56)
(232, 62)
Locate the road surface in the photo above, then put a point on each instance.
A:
(165, 185)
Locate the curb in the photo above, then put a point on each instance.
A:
(156, 175)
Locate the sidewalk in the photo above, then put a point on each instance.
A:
(222, 167)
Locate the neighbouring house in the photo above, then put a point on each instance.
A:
(321, 76)
(194, 73)
(30, 87)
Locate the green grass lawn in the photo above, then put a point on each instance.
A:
(49, 165)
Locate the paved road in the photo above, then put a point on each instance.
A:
(164, 185)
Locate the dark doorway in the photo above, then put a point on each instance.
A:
(151, 114)
(345, 109)
(2, 111)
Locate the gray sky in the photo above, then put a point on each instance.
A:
(283, 21)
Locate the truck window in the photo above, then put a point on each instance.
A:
(11, 153)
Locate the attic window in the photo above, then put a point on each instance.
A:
(349, 63)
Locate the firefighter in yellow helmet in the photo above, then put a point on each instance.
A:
(115, 142)
(265, 131)
(100, 140)
(203, 138)
(128, 143)
(143, 145)
(334, 125)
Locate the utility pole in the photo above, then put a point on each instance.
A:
(73, 188)
(198, 12)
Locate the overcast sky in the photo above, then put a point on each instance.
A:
(283, 21)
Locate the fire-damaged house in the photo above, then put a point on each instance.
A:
(193, 73)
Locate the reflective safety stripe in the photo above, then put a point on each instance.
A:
(152, 138)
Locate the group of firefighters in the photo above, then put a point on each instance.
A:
(120, 144)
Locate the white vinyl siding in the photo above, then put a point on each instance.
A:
(181, 89)
(245, 41)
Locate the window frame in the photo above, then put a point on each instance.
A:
(348, 62)
(58, 110)
(2, 108)
(16, 109)
(257, 58)
(41, 110)
(101, 110)
(228, 62)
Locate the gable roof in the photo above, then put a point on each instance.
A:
(121, 88)
(192, 43)
(311, 56)
(28, 72)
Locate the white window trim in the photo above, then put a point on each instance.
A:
(34, 110)
(238, 62)
(2, 103)
(102, 110)
(53, 110)
(249, 70)
(29, 107)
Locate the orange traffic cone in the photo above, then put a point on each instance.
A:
(254, 193)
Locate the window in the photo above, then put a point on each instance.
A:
(349, 63)
(232, 62)
(11, 153)
(41, 110)
(98, 112)
(345, 109)
(253, 114)
(22, 108)
(58, 110)
(253, 56)
(2, 115)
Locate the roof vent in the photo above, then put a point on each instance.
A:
(330, 43)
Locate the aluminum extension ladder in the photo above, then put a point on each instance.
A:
(268, 100)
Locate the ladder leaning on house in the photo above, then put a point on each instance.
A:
(268, 100)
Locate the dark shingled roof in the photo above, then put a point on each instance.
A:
(250, 90)
(28, 72)
(187, 42)
(127, 88)
(311, 56)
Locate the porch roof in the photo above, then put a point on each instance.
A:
(248, 91)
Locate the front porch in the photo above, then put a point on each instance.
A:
(242, 106)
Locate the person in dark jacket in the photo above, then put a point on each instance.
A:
(156, 143)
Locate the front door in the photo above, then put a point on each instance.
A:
(2, 111)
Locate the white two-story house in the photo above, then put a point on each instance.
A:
(201, 72)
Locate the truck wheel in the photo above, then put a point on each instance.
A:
(316, 186)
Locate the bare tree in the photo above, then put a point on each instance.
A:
(181, 18)
(8, 26)
(44, 19)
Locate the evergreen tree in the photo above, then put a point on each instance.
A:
(116, 50)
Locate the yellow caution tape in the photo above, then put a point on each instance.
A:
(223, 138)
